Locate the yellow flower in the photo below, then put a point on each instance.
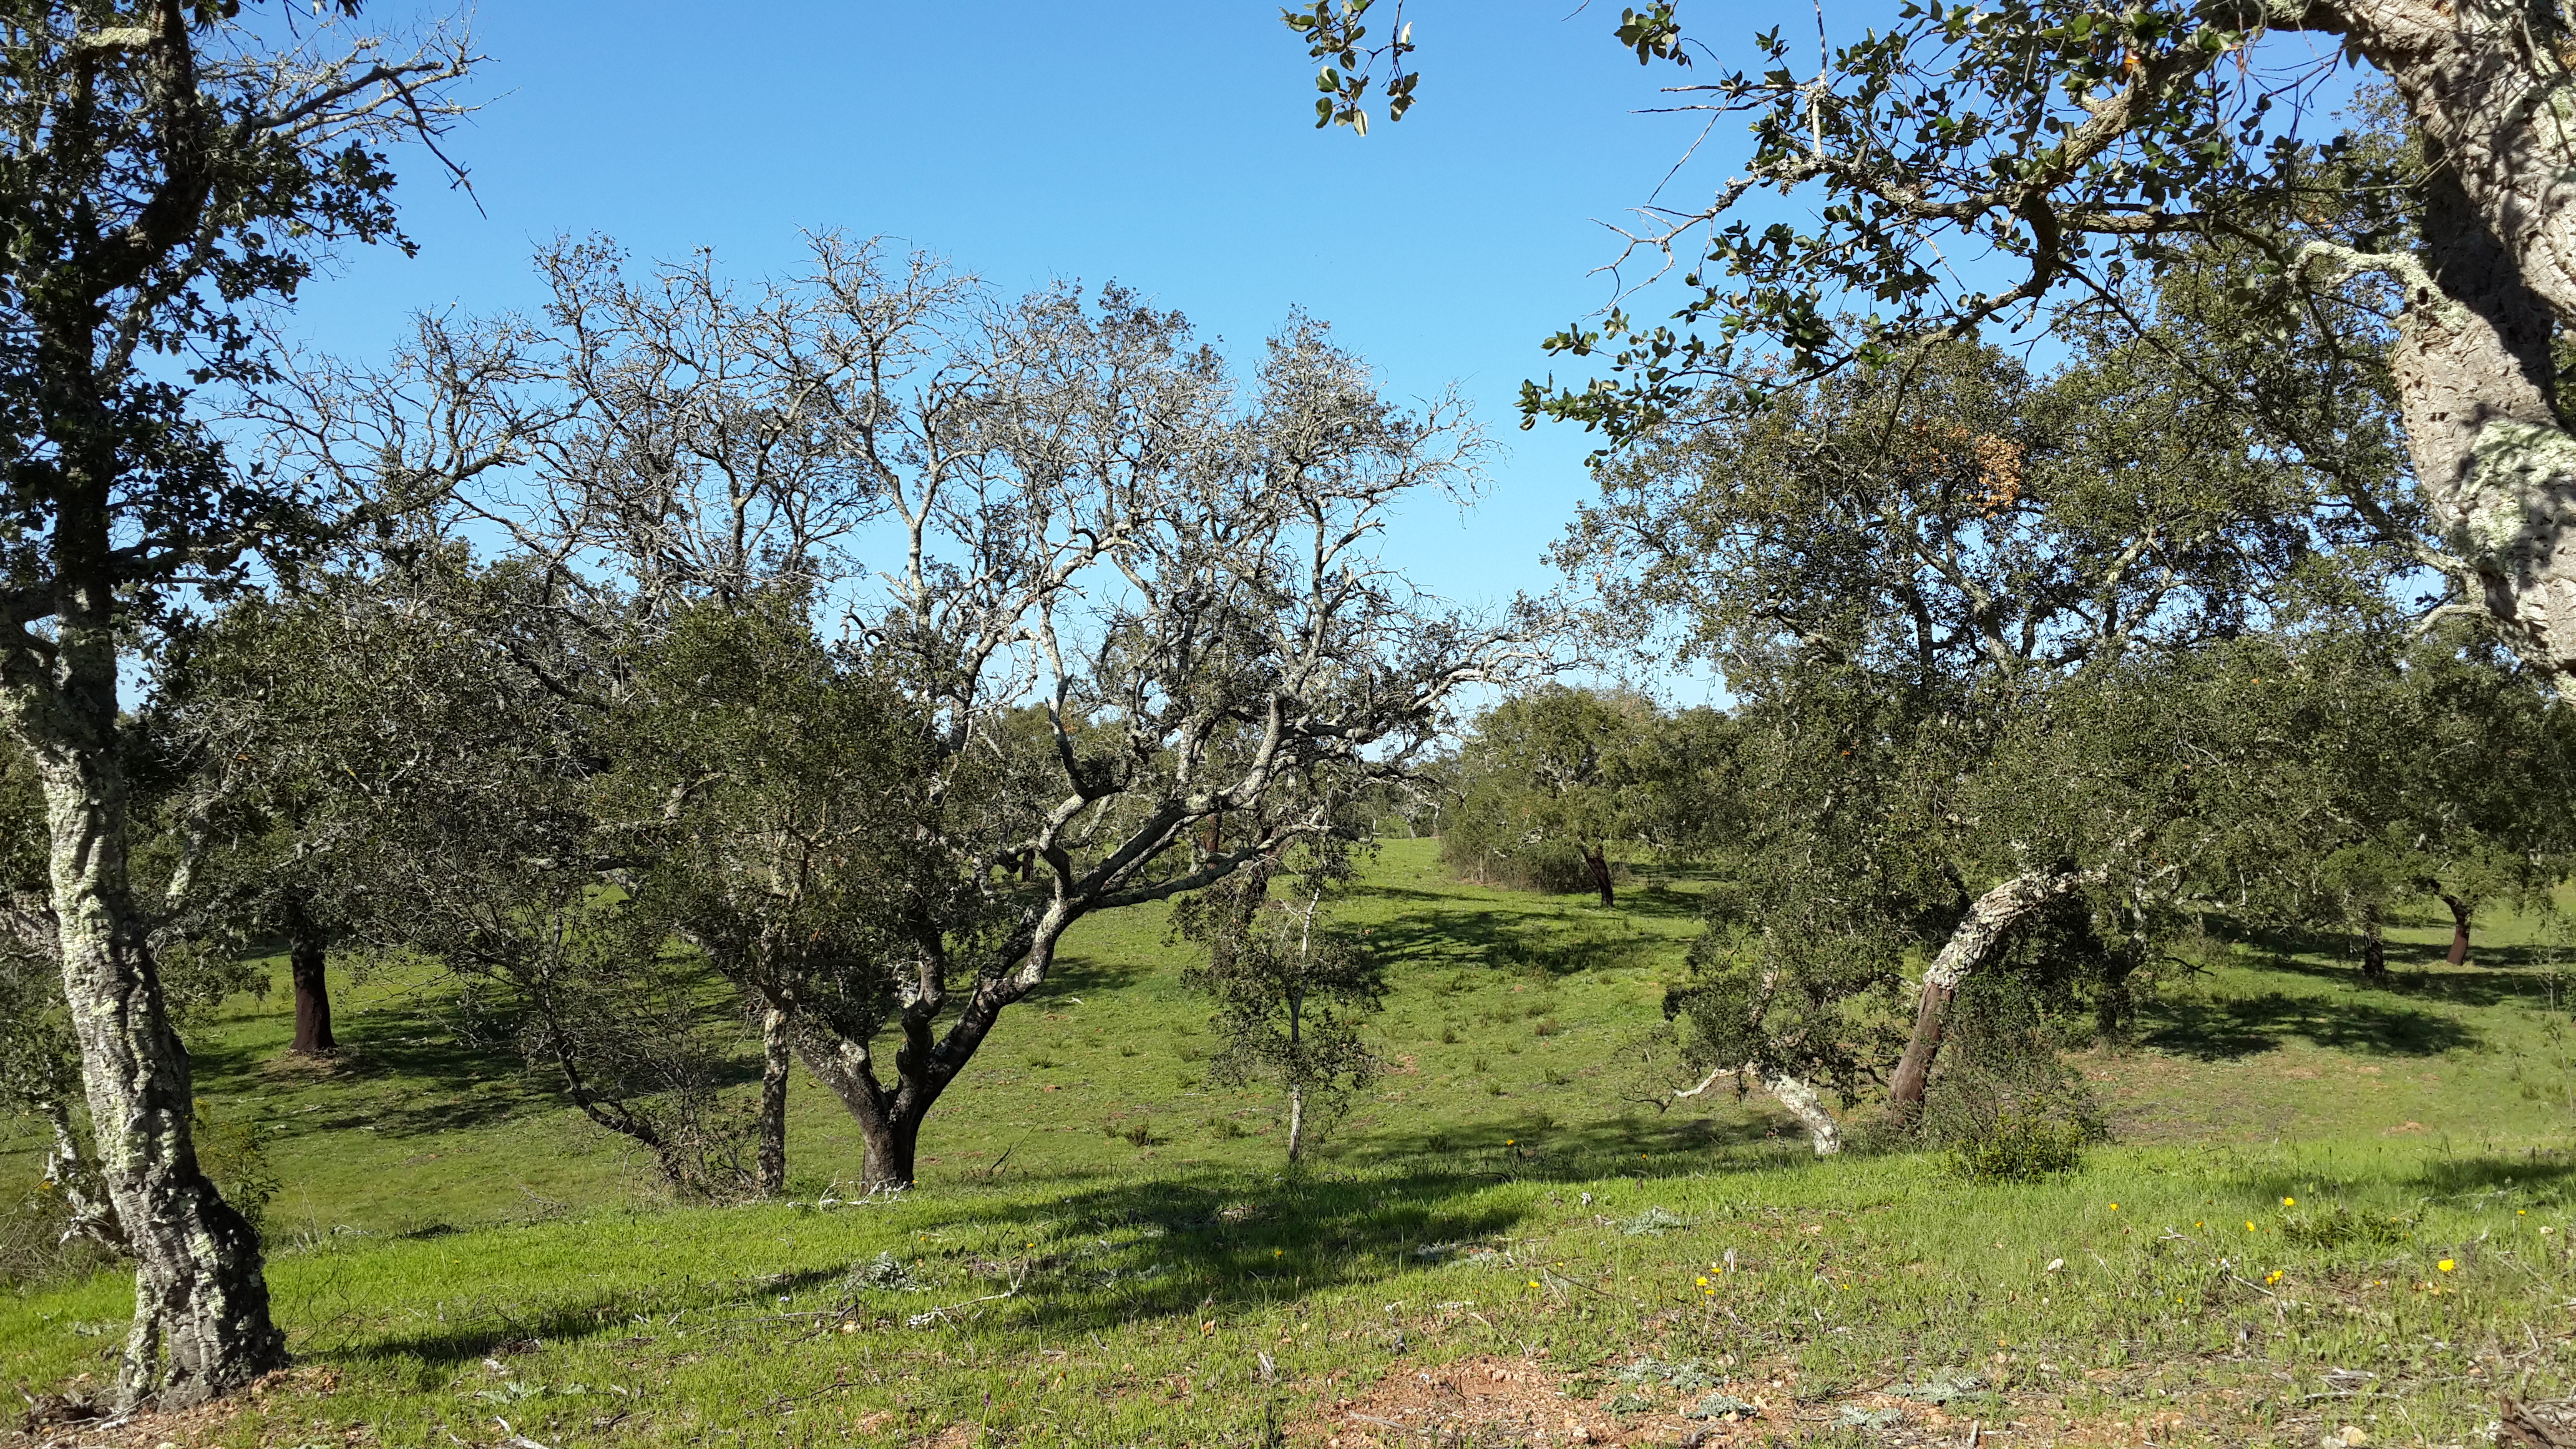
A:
(2249, 1227)
(2289, 1202)
(1533, 1282)
(2115, 1207)
(2446, 1265)
(1278, 1252)
(2272, 1277)
(1703, 1280)
(1507, 1141)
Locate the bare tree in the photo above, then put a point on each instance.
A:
(1130, 597)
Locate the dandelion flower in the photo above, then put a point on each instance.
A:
(1533, 1282)
(2289, 1202)
(1703, 1280)
(2115, 1207)
(2446, 1265)
(2249, 1226)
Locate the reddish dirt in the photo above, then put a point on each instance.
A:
(1489, 1399)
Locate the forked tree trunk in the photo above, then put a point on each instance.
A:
(2459, 955)
(307, 955)
(1980, 936)
(1600, 868)
(889, 1121)
(775, 1062)
(201, 1322)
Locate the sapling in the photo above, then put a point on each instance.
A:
(1290, 983)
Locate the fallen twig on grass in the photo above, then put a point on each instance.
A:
(924, 1320)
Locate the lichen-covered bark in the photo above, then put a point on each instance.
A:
(1804, 1102)
(1985, 929)
(201, 1325)
(2487, 84)
(774, 1068)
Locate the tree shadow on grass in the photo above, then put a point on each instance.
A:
(480, 1327)
(2547, 1171)
(403, 1069)
(1532, 1146)
(1196, 1250)
(2494, 975)
(2241, 1026)
(1428, 930)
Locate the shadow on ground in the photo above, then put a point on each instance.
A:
(2222, 1028)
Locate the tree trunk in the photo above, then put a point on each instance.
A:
(1792, 1092)
(201, 1322)
(889, 1122)
(2473, 366)
(1296, 1119)
(774, 1062)
(1985, 930)
(2374, 950)
(1806, 1104)
(1600, 866)
(2459, 955)
(888, 1163)
(75, 1179)
(306, 955)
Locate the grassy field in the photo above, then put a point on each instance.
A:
(2330, 1211)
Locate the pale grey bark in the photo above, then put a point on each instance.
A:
(775, 1062)
(1804, 1102)
(2497, 277)
(74, 1177)
(1979, 936)
(201, 1325)
(1795, 1094)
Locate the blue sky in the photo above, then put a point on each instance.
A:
(1166, 144)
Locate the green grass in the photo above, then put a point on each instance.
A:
(454, 1251)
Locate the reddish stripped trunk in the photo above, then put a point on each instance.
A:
(307, 956)
(2459, 930)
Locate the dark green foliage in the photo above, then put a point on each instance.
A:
(2006, 1106)
(1548, 783)
(1291, 984)
(773, 792)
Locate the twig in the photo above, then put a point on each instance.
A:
(924, 1320)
